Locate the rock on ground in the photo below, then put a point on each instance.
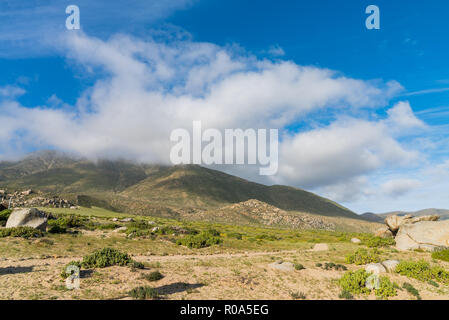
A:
(383, 232)
(27, 217)
(375, 268)
(320, 247)
(390, 265)
(426, 235)
(284, 266)
(356, 240)
(394, 222)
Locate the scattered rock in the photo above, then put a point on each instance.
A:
(356, 240)
(27, 217)
(115, 219)
(120, 229)
(320, 247)
(127, 220)
(155, 229)
(383, 232)
(425, 218)
(426, 235)
(390, 265)
(375, 268)
(394, 222)
(284, 266)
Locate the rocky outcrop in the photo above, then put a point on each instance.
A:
(375, 268)
(27, 217)
(426, 235)
(30, 198)
(394, 222)
(390, 265)
(383, 232)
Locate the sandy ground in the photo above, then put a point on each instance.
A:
(214, 276)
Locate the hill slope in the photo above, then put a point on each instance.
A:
(154, 189)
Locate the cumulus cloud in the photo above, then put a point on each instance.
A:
(343, 150)
(147, 88)
(399, 187)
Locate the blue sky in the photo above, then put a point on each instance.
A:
(394, 117)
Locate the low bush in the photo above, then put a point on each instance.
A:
(136, 265)
(153, 276)
(441, 254)
(144, 293)
(377, 242)
(333, 266)
(363, 256)
(235, 235)
(386, 288)
(423, 271)
(355, 282)
(4, 215)
(412, 290)
(346, 295)
(299, 266)
(105, 258)
(201, 240)
(22, 232)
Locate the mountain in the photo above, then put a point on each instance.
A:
(443, 213)
(379, 217)
(154, 189)
(369, 216)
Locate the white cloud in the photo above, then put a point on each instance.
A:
(399, 187)
(148, 88)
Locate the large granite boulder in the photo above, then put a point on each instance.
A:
(426, 235)
(27, 217)
(394, 222)
(383, 232)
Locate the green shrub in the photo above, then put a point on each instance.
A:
(346, 295)
(153, 276)
(422, 271)
(386, 288)
(363, 256)
(299, 266)
(144, 293)
(23, 232)
(433, 283)
(333, 266)
(105, 258)
(377, 242)
(355, 282)
(4, 215)
(411, 289)
(64, 273)
(62, 223)
(441, 254)
(136, 265)
(201, 240)
(235, 235)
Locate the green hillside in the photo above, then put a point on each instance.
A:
(151, 189)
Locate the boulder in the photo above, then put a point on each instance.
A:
(383, 232)
(394, 222)
(356, 240)
(127, 220)
(375, 268)
(27, 217)
(320, 247)
(283, 266)
(426, 235)
(390, 265)
(424, 218)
